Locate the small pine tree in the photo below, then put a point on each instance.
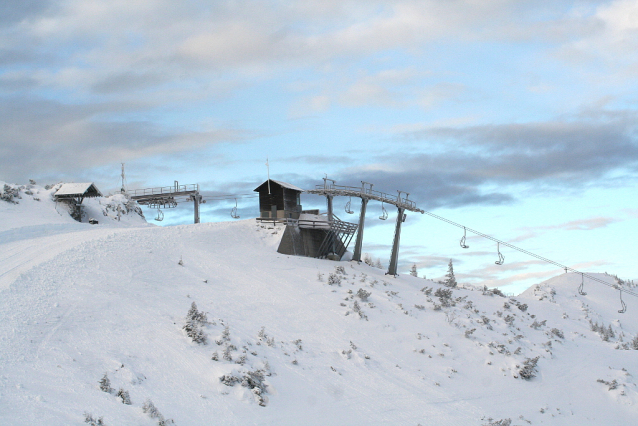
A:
(105, 384)
(413, 271)
(124, 396)
(450, 279)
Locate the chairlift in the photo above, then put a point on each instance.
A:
(233, 212)
(501, 258)
(384, 212)
(160, 215)
(624, 307)
(348, 209)
(580, 288)
(463, 245)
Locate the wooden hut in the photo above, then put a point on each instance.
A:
(73, 194)
(77, 192)
(279, 200)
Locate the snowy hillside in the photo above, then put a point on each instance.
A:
(93, 324)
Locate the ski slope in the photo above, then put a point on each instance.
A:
(78, 301)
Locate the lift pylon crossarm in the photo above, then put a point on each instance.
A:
(363, 192)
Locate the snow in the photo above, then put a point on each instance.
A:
(74, 188)
(78, 301)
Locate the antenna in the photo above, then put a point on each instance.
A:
(268, 167)
(123, 189)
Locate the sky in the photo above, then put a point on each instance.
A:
(514, 118)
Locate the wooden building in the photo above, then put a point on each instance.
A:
(73, 194)
(77, 192)
(279, 200)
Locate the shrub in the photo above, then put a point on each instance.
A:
(124, 396)
(528, 371)
(88, 418)
(363, 294)
(105, 384)
(445, 296)
(334, 279)
(194, 321)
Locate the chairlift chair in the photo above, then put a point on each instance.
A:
(348, 207)
(463, 245)
(501, 258)
(384, 212)
(160, 215)
(233, 212)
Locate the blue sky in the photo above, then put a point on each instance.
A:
(515, 118)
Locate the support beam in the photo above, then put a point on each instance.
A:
(394, 257)
(196, 200)
(362, 220)
(329, 199)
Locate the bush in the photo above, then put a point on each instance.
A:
(363, 294)
(105, 384)
(88, 418)
(528, 371)
(194, 321)
(334, 279)
(124, 396)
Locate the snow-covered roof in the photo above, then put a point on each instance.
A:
(78, 189)
(282, 184)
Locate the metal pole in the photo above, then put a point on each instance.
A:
(196, 199)
(329, 198)
(362, 220)
(394, 258)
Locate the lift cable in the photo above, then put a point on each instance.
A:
(544, 259)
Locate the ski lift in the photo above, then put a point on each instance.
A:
(233, 212)
(580, 288)
(624, 307)
(384, 214)
(501, 258)
(160, 215)
(348, 209)
(463, 245)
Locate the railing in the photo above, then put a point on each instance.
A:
(164, 190)
(400, 200)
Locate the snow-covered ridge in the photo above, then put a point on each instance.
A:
(207, 324)
(33, 205)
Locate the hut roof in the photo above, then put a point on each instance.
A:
(280, 183)
(78, 190)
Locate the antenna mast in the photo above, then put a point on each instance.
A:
(123, 189)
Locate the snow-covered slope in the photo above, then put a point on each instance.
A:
(285, 343)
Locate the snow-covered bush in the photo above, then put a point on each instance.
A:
(254, 380)
(334, 279)
(528, 371)
(9, 193)
(88, 418)
(194, 321)
(502, 422)
(340, 270)
(149, 408)
(445, 296)
(124, 396)
(413, 271)
(105, 384)
(363, 294)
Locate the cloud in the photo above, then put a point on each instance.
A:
(41, 136)
(574, 225)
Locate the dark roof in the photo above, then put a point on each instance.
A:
(277, 182)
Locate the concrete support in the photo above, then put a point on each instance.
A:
(362, 220)
(394, 257)
(196, 200)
